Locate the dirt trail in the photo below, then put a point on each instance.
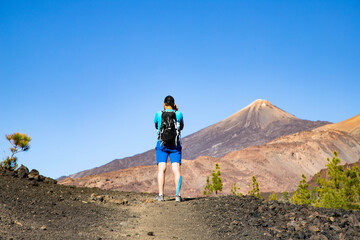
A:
(31, 209)
(165, 220)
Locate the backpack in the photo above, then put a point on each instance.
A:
(168, 130)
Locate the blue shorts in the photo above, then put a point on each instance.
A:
(163, 152)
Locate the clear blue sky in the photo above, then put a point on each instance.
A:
(85, 78)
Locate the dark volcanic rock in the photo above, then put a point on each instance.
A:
(247, 217)
(22, 171)
(36, 209)
(49, 180)
(31, 209)
(34, 175)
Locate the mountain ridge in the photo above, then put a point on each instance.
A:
(351, 125)
(255, 124)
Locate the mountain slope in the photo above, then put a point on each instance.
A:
(278, 165)
(351, 125)
(255, 124)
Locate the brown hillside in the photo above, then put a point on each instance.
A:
(351, 125)
(278, 165)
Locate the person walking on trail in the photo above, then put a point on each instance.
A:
(168, 123)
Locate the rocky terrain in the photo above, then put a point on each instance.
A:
(251, 218)
(255, 124)
(35, 207)
(278, 164)
(32, 208)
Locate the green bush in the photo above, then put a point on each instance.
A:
(216, 184)
(340, 189)
(255, 191)
(285, 197)
(302, 194)
(273, 196)
(234, 190)
(19, 143)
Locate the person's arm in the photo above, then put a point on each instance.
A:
(181, 120)
(156, 120)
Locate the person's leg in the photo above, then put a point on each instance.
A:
(177, 173)
(161, 159)
(161, 177)
(175, 157)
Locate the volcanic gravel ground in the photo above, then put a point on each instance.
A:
(36, 208)
(32, 209)
(247, 217)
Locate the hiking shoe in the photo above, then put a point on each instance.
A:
(178, 199)
(159, 198)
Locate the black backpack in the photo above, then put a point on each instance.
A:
(168, 130)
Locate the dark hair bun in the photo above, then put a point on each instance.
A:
(169, 100)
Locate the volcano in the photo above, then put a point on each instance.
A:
(257, 123)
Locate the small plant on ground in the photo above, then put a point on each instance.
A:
(302, 194)
(284, 197)
(234, 190)
(216, 180)
(273, 196)
(19, 143)
(255, 191)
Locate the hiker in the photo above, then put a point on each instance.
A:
(168, 123)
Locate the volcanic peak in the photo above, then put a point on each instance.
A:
(258, 114)
(259, 103)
